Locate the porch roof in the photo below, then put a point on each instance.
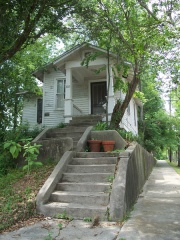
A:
(67, 56)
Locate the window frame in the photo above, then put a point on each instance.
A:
(56, 93)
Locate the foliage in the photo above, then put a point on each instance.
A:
(100, 126)
(22, 132)
(128, 136)
(87, 219)
(139, 95)
(174, 165)
(110, 178)
(157, 130)
(6, 163)
(17, 82)
(13, 147)
(63, 215)
(141, 33)
(30, 153)
(22, 23)
(18, 192)
(61, 125)
(14, 144)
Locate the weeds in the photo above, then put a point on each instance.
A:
(100, 126)
(63, 216)
(110, 178)
(174, 165)
(49, 237)
(17, 195)
(87, 219)
(31, 153)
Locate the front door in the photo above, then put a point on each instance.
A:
(98, 93)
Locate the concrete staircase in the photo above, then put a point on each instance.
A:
(73, 132)
(75, 129)
(85, 120)
(85, 186)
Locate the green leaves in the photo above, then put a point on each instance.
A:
(13, 147)
(30, 153)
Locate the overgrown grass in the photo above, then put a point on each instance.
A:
(17, 194)
(174, 165)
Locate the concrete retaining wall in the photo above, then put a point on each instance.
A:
(52, 148)
(51, 182)
(134, 167)
(109, 135)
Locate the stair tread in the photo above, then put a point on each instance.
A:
(77, 174)
(92, 165)
(93, 158)
(85, 183)
(76, 205)
(70, 193)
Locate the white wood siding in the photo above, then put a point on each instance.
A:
(81, 96)
(30, 112)
(51, 116)
(128, 121)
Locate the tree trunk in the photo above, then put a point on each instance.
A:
(120, 108)
(178, 155)
(170, 154)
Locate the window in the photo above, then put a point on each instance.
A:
(39, 110)
(60, 93)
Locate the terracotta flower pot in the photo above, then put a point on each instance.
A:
(94, 145)
(108, 146)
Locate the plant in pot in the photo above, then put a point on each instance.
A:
(108, 145)
(94, 145)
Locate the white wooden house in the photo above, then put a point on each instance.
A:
(70, 89)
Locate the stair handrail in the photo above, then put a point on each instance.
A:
(78, 109)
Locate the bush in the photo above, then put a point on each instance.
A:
(22, 132)
(10, 147)
(6, 163)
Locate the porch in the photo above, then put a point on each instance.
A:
(86, 90)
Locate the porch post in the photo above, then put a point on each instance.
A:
(68, 104)
(111, 100)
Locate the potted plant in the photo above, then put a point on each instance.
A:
(94, 145)
(108, 145)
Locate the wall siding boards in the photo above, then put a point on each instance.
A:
(52, 116)
(80, 96)
(30, 112)
(128, 122)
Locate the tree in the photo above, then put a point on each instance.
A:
(158, 129)
(16, 76)
(138, 35)
(23, 22)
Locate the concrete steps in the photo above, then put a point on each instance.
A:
(85, 187)
(76, 210)
(85, 120)
(75, 129)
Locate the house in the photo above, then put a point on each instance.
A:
(71, 88)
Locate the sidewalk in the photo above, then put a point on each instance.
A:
(156, 216)
(157, 212)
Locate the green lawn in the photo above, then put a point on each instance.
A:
(174, 165)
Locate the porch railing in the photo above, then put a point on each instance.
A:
(76, 110)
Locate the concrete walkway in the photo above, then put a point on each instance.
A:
(157, 212)
(155, 216)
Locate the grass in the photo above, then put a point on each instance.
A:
(18, 193)
(174, 165)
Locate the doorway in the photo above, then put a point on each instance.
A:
(98, 97)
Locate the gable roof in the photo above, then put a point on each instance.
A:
(39, 72)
